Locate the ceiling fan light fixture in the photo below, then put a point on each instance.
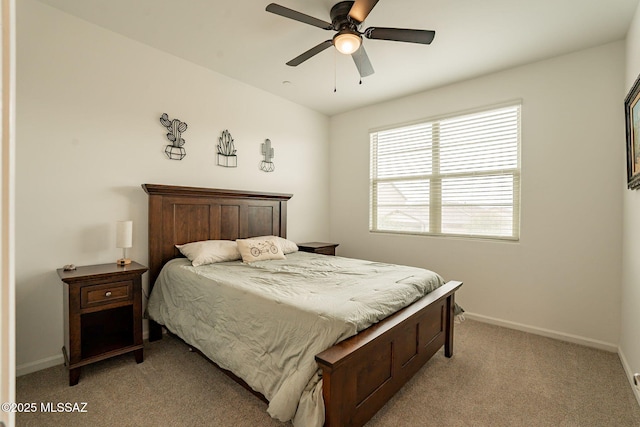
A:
(347, 41)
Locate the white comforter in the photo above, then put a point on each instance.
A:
(267, 320)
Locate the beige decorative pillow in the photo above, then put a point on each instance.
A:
(286, 245)
(210, 251)
(253, 250)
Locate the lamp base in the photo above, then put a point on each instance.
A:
(123, 261)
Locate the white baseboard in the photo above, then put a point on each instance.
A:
(52, 361)
(576, 339)
(39, 365)
(629, 372)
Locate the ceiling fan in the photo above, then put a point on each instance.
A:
(346, 19)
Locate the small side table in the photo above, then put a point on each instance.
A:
(102, 314)
(318, 248)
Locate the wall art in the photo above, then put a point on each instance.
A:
(227, 151)
(632, 119)
(267, 165)
(176, 128)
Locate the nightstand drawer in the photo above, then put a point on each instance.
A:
(108, 293)
(329, 250)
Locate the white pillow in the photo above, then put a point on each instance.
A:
(286, 245)
(210, 251)
(259, 250)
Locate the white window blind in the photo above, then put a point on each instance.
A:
(457, 176)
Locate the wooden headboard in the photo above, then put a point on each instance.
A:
(180, 215)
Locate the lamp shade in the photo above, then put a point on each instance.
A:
(124, 234)
(347, 42)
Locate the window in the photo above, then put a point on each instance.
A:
(456, 176)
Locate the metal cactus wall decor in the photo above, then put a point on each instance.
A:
(267, 165)
(226, 151)
(175, 151)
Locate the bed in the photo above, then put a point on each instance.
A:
(360, 373)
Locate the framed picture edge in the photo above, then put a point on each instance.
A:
(633, 180)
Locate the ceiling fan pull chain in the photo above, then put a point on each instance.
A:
(335, 73)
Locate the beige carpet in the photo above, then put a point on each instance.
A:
(497, 377)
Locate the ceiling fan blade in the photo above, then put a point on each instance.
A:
(308, 54)
(400, 35)
(363, 64)
(297, 16)
(361, 9)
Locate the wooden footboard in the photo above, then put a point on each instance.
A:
(363, 372)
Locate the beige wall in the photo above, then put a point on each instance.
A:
(563, 277)
(630, 334)
(89, 103)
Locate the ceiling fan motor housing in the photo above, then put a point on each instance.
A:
(340, 16)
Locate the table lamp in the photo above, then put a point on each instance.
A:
(124, 239)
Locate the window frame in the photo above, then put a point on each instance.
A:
(435, 177)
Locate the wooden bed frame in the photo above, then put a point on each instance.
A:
(359, 374)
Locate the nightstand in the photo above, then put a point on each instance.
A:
(318, 247)
(102, 314)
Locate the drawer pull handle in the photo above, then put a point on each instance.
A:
(107, 294)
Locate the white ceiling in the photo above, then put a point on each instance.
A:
(241, 40)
